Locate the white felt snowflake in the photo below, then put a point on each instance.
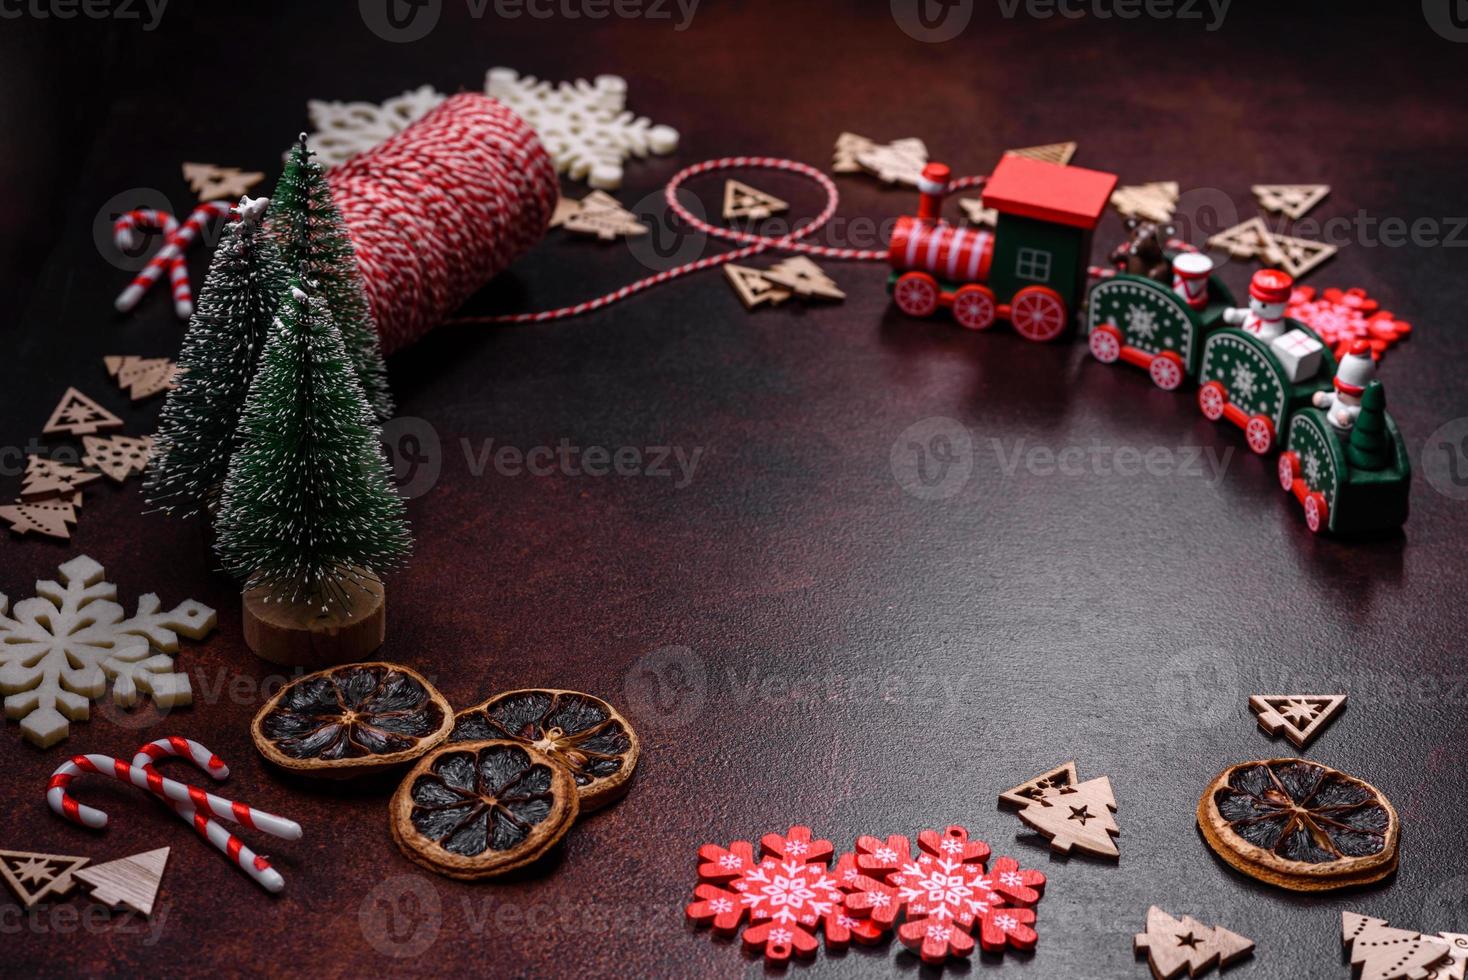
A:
(1244, 382)
(344, 129)
(62, 645)
(583, 125)
(1141, 321)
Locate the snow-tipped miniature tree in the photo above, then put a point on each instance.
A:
(309, 508)
(197, 428)
(316, 248)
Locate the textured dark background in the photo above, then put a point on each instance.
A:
(798, 638)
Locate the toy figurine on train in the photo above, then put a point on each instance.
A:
(1162, 309)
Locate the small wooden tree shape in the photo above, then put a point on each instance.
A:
(1383, 953)
(212, 183)
(35, 877)
(743, 201)
(78, 415)
(1079, 817)
(1290, 200)
(1300, 716)
(198, 428)
(804, 278)
(52, 518)
(117, 456)
(143, 377)
(1177, 945)
(131, 882)
(309, 516)
(45, 478)
(1056, 153)
(316, 248)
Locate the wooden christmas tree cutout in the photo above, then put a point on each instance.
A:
(49, 517)
(118, 456)
(1290, 200)
(804, 278)
(46, 478)
(1383, 953)
(1058, 153)
(1300, 716)
(1027, 792)
(1078, 817)
(743, 201)
(131, 882)
(752, 287)
(1244, 240)
(34, 877)
(848, 145)
(142, 377)
(78, 415)
(1456, 967)
(1177, 945)
(899, 162)
(599, 214)
(213, 183)
(565, 207)
(1297, 256)
(1151, 202)
(973, 208)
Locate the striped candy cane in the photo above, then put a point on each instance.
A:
(252, 864)
(176, 240)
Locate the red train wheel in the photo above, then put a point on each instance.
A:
(973, 307)
(1317, 512)
(1289, 470)
(1166, 371)
(1212, 399)
(916, 293)
(1038, 313)
(1259, 434)
(1106, 343)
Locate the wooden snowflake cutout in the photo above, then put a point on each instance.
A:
(583, 125)
(942, 892)
(1174, 946)
(785, 897)
(59, 648)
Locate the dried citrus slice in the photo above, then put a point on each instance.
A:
(479, 809)
(582, 733)
(352, 719)
(1299, 825)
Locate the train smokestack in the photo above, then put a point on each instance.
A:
(932, 186)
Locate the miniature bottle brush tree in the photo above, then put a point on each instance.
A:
(309, 516)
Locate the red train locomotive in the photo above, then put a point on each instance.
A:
(1030, 269)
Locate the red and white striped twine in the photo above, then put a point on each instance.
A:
(441, 208)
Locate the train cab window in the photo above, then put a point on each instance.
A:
(1032, 263)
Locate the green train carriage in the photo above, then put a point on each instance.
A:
(1139, 321)
(1243, 381)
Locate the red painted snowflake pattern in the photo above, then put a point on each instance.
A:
(1341, 316)
(787, 895)
(943, 891)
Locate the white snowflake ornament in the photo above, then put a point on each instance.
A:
(59, 648)
(583, 125)
(344, 129)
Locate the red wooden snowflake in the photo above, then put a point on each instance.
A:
(943, 891)
(787, 896)
(1341, 316)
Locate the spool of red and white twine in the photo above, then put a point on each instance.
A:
(441, 208)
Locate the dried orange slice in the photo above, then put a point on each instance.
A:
(578, 731)
(479, 809)
(1299, 825)
(352, 719)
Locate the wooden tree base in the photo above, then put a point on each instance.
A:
(300, 634)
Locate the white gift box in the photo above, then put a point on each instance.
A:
(1300, 353)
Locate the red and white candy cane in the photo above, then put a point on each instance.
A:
(180, 796)
(753, 243)
(252, 864)
(176, 240)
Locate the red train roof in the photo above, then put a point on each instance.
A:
(1030, 188)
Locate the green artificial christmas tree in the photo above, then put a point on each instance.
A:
(1369, 446)
(309, 514)
(197, 428)
(316, 248)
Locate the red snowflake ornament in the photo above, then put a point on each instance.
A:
(1341, 316)
(787, 896)
(943, 891)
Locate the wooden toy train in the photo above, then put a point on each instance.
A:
(1165, 312)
